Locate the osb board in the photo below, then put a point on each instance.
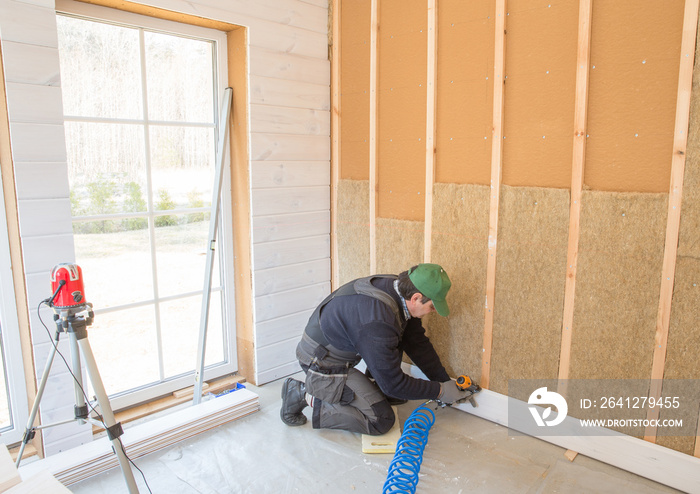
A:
(354, 89)
(635, 54)
(533, 232)
(689, 241)
(464, 114)
(683, 343)
(401, 109)
(352, 230)
(460, 246)
(399, 245)
(540, 62)
(621, 251)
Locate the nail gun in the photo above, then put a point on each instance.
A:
(465, 383)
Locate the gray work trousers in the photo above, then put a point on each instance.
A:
(344, 398)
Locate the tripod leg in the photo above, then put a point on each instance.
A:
(81, 409)
(29, 430)
(107, 414)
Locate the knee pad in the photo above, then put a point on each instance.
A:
(383, 419)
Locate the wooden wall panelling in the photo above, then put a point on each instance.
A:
(496, 155)
(295, 225)
(373, 131)
(430, 126)
(583, 54)
(680, 141)
(285, 120)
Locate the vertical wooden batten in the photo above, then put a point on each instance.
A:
(680, 140)
(373, 81)
(579, 157)
(496, 169)
(240, 195)
(430, 126)
(335, 138)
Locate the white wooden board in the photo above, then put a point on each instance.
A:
(280, 304)
(285, 120)
(290, 174)
(281, 200)
(283, 278)
(285, 227)
(285, 252)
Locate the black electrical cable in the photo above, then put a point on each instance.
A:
(87, 400)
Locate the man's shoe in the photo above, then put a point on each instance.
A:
(293, 402)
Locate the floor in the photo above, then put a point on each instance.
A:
(259, 454)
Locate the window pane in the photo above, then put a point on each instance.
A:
(116, 266)
(125, 348)
(181, 253)
(106, 168)
(182, 162)
(179, 78)
(100, 69)
(181, 320)
(5, 416)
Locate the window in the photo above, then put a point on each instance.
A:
(13, 393)
(141, 114)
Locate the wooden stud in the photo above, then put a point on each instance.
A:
(237, 42)
(496, 157)
(579, 157)
(373, 76)
(430, 127)
(335, 140)
(680, 141)
(696, 453)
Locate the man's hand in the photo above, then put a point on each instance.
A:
(450, 393)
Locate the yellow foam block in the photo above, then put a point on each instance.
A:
(386, 443)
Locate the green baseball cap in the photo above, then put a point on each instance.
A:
(432, 281)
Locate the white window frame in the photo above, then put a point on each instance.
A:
(10, 338)
(225, 230)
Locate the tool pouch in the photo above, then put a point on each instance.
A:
(326, 372)
(328, 385)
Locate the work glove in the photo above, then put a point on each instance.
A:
(450, 393)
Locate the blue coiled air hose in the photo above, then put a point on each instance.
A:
(403, 469)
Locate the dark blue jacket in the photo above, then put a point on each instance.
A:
(367, 326)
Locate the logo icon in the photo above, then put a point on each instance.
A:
(543, 397)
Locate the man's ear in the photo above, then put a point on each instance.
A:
(416, 297)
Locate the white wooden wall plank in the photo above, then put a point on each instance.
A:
(41, 352)
(37, 247)
(295, 94)
(273, 254)
(284, 120)
(34, 103)
(38, 142)
(27, 23)
(263, 32)
(54, 179)
(45, 217)
(317, 3)
(269, 375)
(271, 228)
(282, 328)
(289, 147)
(30, 64)
(40, 3)
(283, 278)
(290, 200)
(271, 63)
(283, 12)
(279, 304)
(290, 174)
(272, 356)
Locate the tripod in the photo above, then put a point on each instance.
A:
(74, 321)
